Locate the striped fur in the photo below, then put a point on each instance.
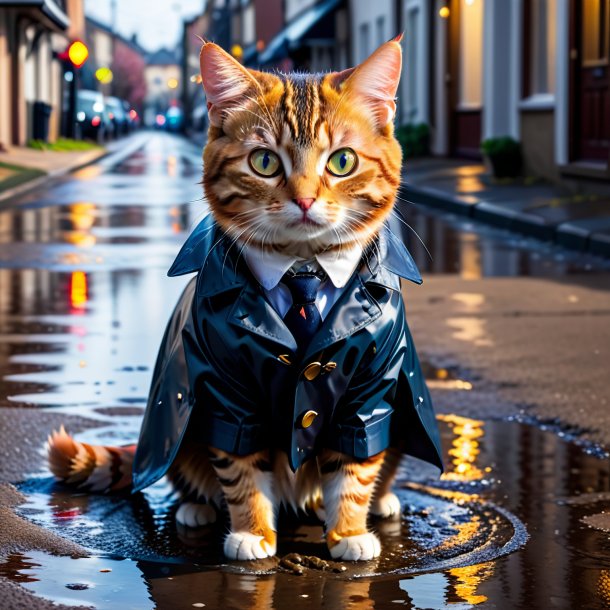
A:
(341, 490)
(90, 467)
(303, 119)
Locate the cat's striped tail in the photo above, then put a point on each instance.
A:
(91, 467)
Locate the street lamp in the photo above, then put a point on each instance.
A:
(74, 56)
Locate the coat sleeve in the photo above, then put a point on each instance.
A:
(226, 401)
(363, 418)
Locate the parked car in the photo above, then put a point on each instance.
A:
(117, 115)
(174, 118)
(133, 118)
(91, 116)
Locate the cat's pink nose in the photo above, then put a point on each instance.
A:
(304, 203)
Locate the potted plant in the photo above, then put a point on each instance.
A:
(414, 138)
(504, 155)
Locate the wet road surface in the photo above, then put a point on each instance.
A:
(516, 522)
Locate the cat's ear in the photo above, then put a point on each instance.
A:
(225, 81)
(375, 81)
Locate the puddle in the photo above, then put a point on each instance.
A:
(509, 521)
(453, 244)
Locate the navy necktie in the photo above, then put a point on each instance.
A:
(303, 318)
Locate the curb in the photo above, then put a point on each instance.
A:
(93, 157)
(40, 180)
(583, 235)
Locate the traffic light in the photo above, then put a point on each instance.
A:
(78, 53)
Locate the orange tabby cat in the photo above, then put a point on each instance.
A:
(296, 165)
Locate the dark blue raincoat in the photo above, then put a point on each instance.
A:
(227, 367)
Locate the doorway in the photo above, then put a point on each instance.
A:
(590, 80)
(465, 61)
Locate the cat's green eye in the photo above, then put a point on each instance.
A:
(265, 162)
(342, 162)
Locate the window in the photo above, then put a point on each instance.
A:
(380, 31)
(595, 35)
(471, 53)
(365, 41)
(540, 33)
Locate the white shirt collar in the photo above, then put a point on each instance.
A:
(269, 267)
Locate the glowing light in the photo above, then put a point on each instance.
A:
(78, 290)
(468, 580)
(172, 83)
(160, 120)
(81, 116)
(444, 12)
(237, 51)
(82, 215)
(196, 78)
(96, 120)
(133, 114)
(104, 75)
(78, 53)
(260, 45)
(464, 448)
(469, 2)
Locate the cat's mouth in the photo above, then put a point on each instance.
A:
(305, 221)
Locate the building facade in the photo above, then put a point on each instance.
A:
(32, 89)
(535, 70)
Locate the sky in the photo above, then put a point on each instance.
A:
(158, 23)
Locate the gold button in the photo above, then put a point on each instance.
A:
(312, 370)
(285, 358)
(308, 418)
(330, 366)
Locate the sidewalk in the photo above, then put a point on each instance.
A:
(540, 209)
(42, 165)
(33, 167)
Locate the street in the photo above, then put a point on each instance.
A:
(514, 335)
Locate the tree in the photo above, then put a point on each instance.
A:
(129, 82)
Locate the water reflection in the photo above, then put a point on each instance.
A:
(456, 245)
(464, 451)
(107, 583)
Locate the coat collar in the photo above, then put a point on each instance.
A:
(206, 249)
(209, 252)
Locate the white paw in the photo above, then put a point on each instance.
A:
(244, 546)
(191, 514)
(385, 507)
(357, 548)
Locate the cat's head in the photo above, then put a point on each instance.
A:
(301, 163)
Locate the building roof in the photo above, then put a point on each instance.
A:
(130, 42)
(163, 57)
(54, 10)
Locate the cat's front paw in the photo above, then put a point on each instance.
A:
(388, 506)
(191, 514)
(244, 546)
(362, 547)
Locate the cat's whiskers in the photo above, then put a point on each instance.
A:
(249, 227)
(404, 222)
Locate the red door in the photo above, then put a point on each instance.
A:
(591, 80)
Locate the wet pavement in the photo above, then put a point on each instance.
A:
(575, 215)
(518, 521)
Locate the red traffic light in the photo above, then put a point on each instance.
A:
(77, 53)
